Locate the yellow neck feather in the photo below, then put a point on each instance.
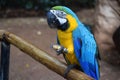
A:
(72, 23)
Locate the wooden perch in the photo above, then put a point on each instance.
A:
(47, 60)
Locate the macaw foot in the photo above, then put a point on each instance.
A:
(69, 67)
(60, 49)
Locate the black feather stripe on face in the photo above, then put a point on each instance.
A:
(63, 27)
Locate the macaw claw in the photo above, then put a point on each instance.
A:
(69, 67)
(59, 49)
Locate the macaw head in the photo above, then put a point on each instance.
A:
(57, 17)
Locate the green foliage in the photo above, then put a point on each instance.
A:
(87, 2)
(46, 4)
(40, 4)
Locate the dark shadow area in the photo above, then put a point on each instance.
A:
(35, 8)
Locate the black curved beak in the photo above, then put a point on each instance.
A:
(52, 20)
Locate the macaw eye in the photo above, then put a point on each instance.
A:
(61, 14)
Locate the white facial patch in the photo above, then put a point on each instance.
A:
(61, 16)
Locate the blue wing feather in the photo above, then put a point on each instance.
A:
(77, 47)
(85, 51)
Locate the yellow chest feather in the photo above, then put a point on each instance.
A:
(65, 39)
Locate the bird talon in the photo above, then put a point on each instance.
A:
(69, 67)
(59, 49)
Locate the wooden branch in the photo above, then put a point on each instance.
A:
(47, 60)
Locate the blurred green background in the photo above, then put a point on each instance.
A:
(42, 4)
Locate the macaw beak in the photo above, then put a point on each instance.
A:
(52, 20)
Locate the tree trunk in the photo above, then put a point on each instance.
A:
(107, 20)
(116, 39)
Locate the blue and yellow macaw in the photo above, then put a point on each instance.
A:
(76, 42)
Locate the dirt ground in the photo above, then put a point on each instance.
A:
(36, 31)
